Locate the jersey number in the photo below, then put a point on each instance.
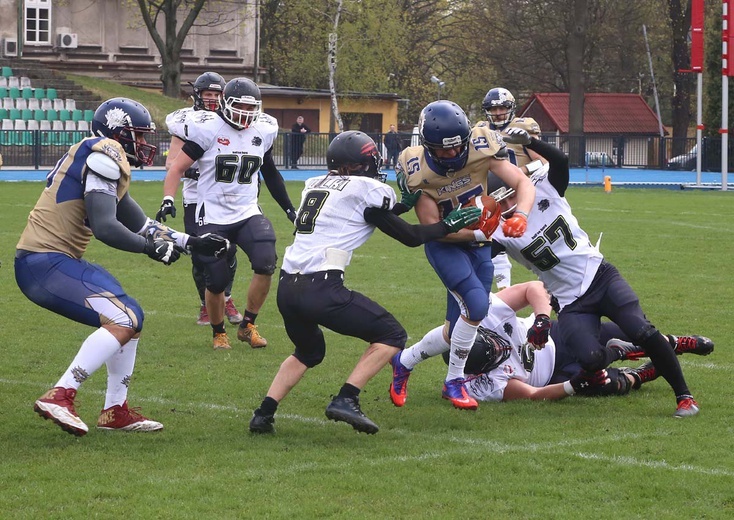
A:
(448, 204)
(309, 210)
(539, 253)
(243, 167)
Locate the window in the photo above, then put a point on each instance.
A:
(38, 22)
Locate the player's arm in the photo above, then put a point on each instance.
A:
(516, 389)
(558, 172)
(413, 235)
(522, 295)
(276, 185)
(190, 152)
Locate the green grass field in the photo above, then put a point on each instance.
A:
(578, 458)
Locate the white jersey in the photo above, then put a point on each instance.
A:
(554, 246)
(229, 169)
(330, 223)
(533, 367)
(176, 123)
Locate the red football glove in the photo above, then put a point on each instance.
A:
(489, 221)
(538, 333)
(515, 226)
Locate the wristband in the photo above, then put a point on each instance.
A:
(534, 166)
(479, 236)
(568, 388)
(521, 213)
(168, 197)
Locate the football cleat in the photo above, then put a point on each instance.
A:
(454, 391)
(625, 350)
(122, 418)
(687, 407)
(249, 334)
(399, 385)
(203, 316)
(233, 315)
(699, 345)
(58, 405)
(220, 341)
(262, 423)
(347, 409)
(642, 374)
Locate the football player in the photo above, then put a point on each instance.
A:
(450, 167)
(207, 91)
(232, 147)
(87, 194)
(499, 105)
(339, 211)
(525, 358)
(574, 271)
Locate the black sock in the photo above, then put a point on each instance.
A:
(249, 317)
(348, 390)
(218, 328)
(666, 362)
(267, 407)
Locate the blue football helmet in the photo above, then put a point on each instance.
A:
(499, 97)
(443, 124)
(125, 121)
(355, 153)
(207, 81)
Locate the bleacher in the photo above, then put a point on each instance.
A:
(32, 115)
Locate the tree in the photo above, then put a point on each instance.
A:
(680, 23)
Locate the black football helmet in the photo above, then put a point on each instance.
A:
(488, 352)
(443, 124)
(241, 91)
(207, 81)
(499, 97)
(125, 121)
(355, 153)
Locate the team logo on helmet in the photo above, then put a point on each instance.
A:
(116, 117)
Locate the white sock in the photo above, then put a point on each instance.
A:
(431, 345)
(462, 339)
(96, 349)
(119, 371)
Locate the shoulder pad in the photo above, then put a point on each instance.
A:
(481, 124)
(268, 119)
(526, 123)
(104, 166)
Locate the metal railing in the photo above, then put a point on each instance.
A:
(42, 148)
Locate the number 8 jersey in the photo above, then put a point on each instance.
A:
(229, 163)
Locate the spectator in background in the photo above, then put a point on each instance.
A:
(393, 147)
(299, 131)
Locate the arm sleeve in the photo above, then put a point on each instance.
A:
(274, 182)
(102, 214)
(193, 150)
(558, 173)
(131, 214)
(412, 235)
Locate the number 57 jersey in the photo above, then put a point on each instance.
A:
(229, 165)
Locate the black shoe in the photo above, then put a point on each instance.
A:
(699, 345)
(644, 374)
(262, 423)
(347, 409)
(625, 350)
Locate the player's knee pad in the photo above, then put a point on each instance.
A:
(644, 333)
(264, 258)
(125, 313)
(476, 303)
(313, 357)
(217, 276)
(593, 360)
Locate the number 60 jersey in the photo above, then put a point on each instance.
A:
(229, 165)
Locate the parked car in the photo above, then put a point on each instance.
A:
(686, 161)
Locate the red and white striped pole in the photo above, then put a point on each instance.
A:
(697, 17)
(726, 29)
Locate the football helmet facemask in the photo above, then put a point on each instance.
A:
(499, 97)
(241, 91)
(355, 153)
(488, 352)
(207, 81)
(498, 189)
(443, 124)
(126, 121)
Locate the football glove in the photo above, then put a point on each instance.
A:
(584, 381)
(516, 136)
(488, 223)
(161, 250)
(208, 244)
(462, 217)
(515, 226)
(406, 197)
(192, 173)
(291, 214)
(167, 208)
(538, 333)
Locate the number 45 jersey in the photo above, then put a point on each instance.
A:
(554, 246)
(229, 165)
(330, 222)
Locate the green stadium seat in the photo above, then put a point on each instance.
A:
(3, 113)
(88, 116)
(64, 115)
(26, 93)
(14, 92)
(52, 115)
(51, 93)
(3, 92)
(26, 114)
(77, 115)
(39, 93)
(13, 113)
(39, 115)
(7, 72)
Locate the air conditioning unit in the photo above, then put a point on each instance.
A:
(67, 40)
(10, 47)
